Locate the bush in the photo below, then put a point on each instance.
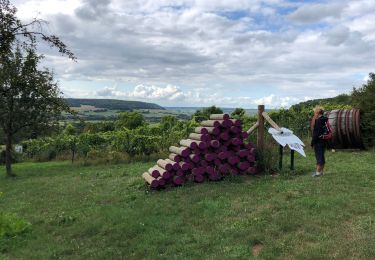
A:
(11, 225)
(363, 98)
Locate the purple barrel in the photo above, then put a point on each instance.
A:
(251, 170)
(232, 160)
(169, 167)
(185, 166)
(194, 158)
(180, 173)
(236, 122)
(176, 166)
(227, 123)
(224, 136)
(203, 163)
(252, 151)
(210, 157)
(197, 151)
(244, 135)
(202, 170)
(202, 145)
(167, 175)
(217, 162)
(185, 152)
(174, 157)
(161, 182)
(178, 180)
(204, 131)
(222, 155)
(251, 158)
(216, 131)
(210, 169)
(234, 171)
(243, 153)
(237, 141)
(154, 184)
(198, 170)
(215, 176)
(155, 173)
(243, 166)
(198, 178)
(234, 129)
(224, 168)
(214, 143)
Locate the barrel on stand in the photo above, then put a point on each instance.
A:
(346, 131)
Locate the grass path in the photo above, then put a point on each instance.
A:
(102, 212)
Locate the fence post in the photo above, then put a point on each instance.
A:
(291, 159)
(260, 131)
(281, 150)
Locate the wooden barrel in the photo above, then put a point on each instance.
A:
(346, 131)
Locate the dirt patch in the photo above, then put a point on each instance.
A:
(256, 249)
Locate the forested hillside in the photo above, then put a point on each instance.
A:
(112, 104)
(342, 99)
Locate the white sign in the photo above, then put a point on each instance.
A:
(286, 137)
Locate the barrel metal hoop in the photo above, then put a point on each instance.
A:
(357, 126)
(347, 114)
(338, 125)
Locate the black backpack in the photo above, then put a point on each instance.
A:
(326, 130)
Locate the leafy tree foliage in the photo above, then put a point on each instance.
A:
(29, 98)
(205, 113)
(168, 122)
(70, 130)
(239, 113)
(363, 98)
(130, 120)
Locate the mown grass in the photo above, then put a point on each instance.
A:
(105, 212)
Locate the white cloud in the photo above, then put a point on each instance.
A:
(211, 46)
(171, 94)
(168, 93)
(310, 13)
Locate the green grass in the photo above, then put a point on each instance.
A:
(105, 212)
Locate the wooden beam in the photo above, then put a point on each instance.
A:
(271, 122)
(260, 132)
(255, 126)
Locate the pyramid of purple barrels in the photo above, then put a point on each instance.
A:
(216, 149)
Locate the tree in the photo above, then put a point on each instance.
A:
(168, 122)
(69, 130)
(238, 113)
(363, 98)
(205, 113)
(130, 120)
(30, 100)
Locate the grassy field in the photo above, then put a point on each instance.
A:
(105, 212)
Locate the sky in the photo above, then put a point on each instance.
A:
(237, 53)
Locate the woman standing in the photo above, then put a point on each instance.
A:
(318, 143)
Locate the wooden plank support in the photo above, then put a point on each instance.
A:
(271, 122)
(255, 126)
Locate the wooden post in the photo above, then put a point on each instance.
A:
(281, 156)
(260, 137)
(291, 159)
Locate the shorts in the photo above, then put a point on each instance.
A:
(319, 149)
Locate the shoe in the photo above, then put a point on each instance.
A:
(317, 175)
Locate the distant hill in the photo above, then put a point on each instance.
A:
(112, 104)
(342, 99)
